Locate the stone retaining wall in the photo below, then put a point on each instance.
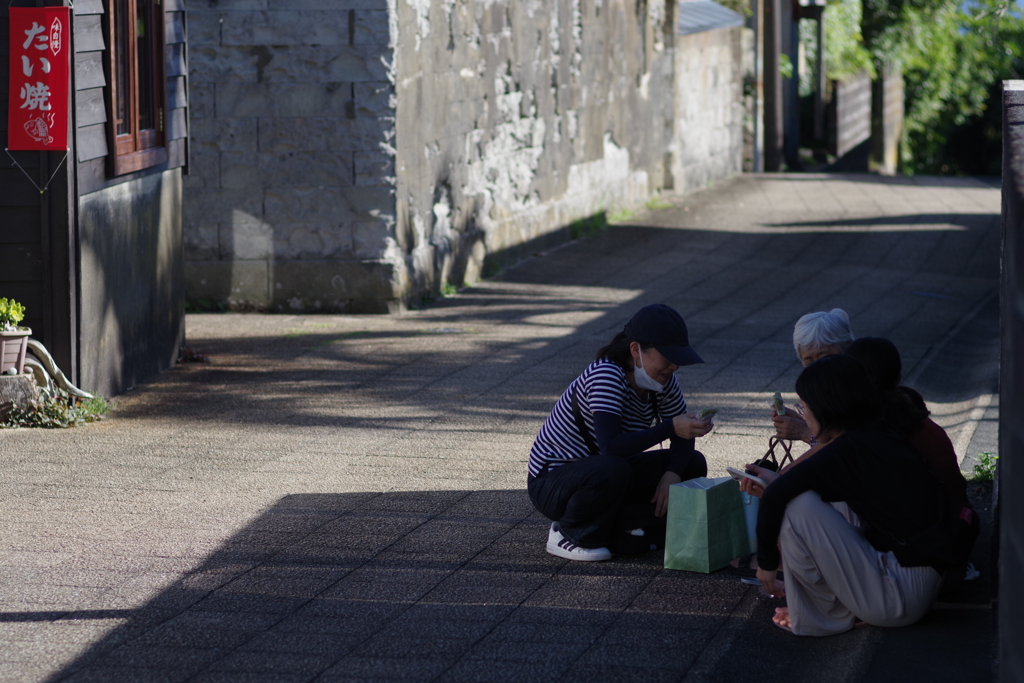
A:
(356, 155)
(709, 107)
(289, 199)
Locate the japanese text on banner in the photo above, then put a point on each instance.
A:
(38, 114)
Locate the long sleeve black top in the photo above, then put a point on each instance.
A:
(878, 473)
(612, 441)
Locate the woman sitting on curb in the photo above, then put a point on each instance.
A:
(886, 573)
(588, 471)
(905, 410)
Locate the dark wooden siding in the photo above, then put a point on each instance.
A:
(91, 100)
(21, 248)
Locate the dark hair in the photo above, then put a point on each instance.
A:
(840, 393)
(880, 358)
(902, 407)
(617, 351)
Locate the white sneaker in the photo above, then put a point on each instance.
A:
(560, 546)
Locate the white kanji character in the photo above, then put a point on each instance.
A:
(27, 68)
(35, 97)
(34, 33)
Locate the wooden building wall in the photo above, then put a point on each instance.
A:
(91, 101)
(97, 259)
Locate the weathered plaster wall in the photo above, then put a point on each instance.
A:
(518, 117)
(708, 140)
(132, 318)
(355, 155)
(290, 195)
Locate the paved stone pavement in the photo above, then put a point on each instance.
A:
(342, 498)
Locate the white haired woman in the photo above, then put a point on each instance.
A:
(815, 335)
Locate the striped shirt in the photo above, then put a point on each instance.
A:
(604, 387)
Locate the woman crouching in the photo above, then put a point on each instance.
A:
(588, 471)
(887, 572)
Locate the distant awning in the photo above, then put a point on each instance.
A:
(705, 15)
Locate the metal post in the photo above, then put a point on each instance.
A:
(772, 85)
(790, 17)
(758, 7)
(819, 78)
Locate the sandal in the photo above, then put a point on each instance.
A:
(784, 627)
(787, 629)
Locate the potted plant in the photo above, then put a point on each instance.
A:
(13, 339)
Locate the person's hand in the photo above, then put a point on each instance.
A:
(791, 427)
(660, 499)
(748, 486)
(689, 427)
(767, 579)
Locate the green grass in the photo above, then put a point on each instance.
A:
(621, 216)
(656, 202)
(588, 225)
(448, 289)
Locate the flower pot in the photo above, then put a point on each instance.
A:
(12, 349)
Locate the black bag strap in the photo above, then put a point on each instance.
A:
(581, 424)
(770, 460)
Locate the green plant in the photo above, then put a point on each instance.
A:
(448, 289)
(985, 468)
(585, 226)
(11, 313)
(57, 410)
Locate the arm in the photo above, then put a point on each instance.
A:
(825, 473)
(791, 427)
(612, 441)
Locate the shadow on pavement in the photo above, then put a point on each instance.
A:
(721, 282)
(451, 586)
(456, 585)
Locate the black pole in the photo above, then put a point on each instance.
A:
(772, 86)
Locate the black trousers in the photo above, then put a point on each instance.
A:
(594, 498)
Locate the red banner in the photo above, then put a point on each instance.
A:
(40, 75)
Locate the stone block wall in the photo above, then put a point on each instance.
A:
(356, 155)
(290, 194)
(709, 110)
(516, 118)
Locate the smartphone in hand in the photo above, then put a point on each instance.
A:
(741, 474)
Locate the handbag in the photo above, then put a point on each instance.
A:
(706, 525)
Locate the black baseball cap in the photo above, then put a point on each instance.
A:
(661, 327)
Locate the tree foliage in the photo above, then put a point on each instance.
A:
(951, 54)
(845, 54)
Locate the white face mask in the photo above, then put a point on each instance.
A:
(643, 380)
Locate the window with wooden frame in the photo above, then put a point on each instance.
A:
(136, 83)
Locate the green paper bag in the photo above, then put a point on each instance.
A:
(706, 525)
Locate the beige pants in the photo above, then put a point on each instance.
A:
(834, 576)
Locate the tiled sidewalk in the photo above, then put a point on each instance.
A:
(342, 497)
